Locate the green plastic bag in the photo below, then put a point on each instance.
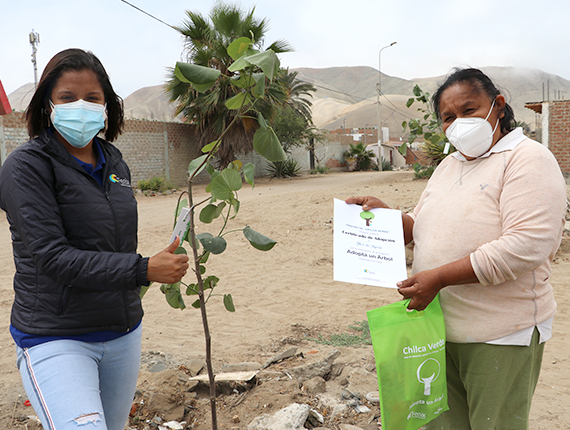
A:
(409, 348)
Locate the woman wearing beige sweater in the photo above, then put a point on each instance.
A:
(485, 231)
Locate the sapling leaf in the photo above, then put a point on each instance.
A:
(258, 240)
(224, 184)
(236, 165)
(196, 304)
(266, 143)
(213, 176)
(194, 74)
(173, 295)
(259, 89)
(174, 299)
(242, 81)
(266, 61)
(189, 240)
(239, 47)
(248, 173)
(180, 250)
(210, 169)
(210, 282)
(237, 101)
(202, 269)
(235, 204)
(144, 289)
(204, 258)
(210, 212)
(229, 303)
(183, 203)
(195, 165)
(262, 122)
(403, 149)
(192, 290)
(202, 88)
(214, 244)
(209, 147)
(409, 102)
(240, 64)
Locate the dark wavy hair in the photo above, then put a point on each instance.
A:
(37, 115)
(479, 81)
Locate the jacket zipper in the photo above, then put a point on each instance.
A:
(104, 189)
(117, 247)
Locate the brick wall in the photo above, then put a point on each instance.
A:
(559, 132)
(150, 148)
(156, 148)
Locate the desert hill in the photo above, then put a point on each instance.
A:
(346, 96)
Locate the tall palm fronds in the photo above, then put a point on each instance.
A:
(298, 93)
(206, 42)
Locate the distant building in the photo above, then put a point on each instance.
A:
(555, 121)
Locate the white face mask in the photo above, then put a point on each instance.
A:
(472, 136)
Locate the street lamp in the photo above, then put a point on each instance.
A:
(379, 88)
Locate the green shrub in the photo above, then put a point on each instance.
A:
(156, 183)
(386, 165)
(422, 172)
(284, 169)
(364, 157)
(320, 169)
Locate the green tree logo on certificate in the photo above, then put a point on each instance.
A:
(371, 253)
(368, 216)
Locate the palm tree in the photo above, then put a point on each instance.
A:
(297, 94)
(206, 42)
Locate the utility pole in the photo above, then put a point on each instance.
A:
(378, 104)
(34, 41)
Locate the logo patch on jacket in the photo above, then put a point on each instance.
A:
(122, 182)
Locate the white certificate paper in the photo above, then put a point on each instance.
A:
(368, 246)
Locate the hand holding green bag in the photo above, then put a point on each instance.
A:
(409, 348)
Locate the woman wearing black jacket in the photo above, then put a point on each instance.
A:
(76, 318)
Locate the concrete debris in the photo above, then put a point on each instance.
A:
(241, 367)
(293, 417)
(320, 368)
(315, 385)
(227, 377)
(195, 366)
(279, 357)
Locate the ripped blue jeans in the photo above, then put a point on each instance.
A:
(82, 385)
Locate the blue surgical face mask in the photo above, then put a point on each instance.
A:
(78, 122)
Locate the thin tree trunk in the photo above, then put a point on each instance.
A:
(203, 311)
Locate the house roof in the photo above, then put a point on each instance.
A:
(535, 106)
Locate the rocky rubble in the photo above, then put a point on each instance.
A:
(293, 389)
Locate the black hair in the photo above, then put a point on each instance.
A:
(479, 81)
(73, 60)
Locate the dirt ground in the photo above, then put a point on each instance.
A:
(283, 298)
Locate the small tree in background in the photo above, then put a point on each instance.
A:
(428, 127)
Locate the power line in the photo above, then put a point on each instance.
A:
(146, 13)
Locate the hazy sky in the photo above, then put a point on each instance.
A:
(432, 36)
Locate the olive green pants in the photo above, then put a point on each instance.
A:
(490, 387)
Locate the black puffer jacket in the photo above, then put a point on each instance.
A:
(74, 242)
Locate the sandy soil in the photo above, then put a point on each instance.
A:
(282, 297)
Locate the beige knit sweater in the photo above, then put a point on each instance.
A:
(507, 213)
